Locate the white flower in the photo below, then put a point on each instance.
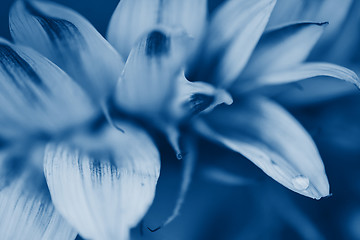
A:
(166, 66)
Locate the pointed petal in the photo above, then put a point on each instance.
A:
(192, 98)
(36, 95)
(104, 186)
(282, 48)
(69, 40)
(290, 11)
(148, 77)
(272, 139)
(301, 72)
(234, 32)
(26, 210)
(133, 18)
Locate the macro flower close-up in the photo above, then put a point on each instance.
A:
(167, 118)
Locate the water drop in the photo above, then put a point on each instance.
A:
(300, 182)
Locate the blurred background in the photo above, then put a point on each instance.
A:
(251, 205)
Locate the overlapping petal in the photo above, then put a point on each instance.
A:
(26, 210)
(272, 139)
(233, 34)
(301, 72)
(36, 95)
(70, 41)
(282, 48)
(150, 72)
(133, 18)
(290, 11)
(192, 98)
(103, 185)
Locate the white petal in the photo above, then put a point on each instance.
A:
(104, 186)
(234, 32)
(189, 100)
(333, 11)
(282, 48)
(309, 91)
(272, 139)
(300, 72)
(26, 210)
(37, 95)
(149, 75)
(70, 41)
(133, 18)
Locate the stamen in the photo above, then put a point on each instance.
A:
(189, 161)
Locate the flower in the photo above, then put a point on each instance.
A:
(255, 126)
(338, 45)
(164, 67)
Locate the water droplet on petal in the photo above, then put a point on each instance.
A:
(300, 182)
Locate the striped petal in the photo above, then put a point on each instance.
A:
(133, 18)
(149, 74)
(281, 48)
(70, 41)
(233, 34)
(273, 140)
(26, 210)
(36, 95)
(104, 185)
(301, 72)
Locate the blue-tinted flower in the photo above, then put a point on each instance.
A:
(250, 64)
(167, 67)
(334, 46)
(101, 180)
(336, 123)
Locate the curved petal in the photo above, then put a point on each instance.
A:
(192, 98)
(287, 11)
(26, 210)
(273, 140)
(333, 11)
(133, 18)
(309, 91)
(282, 48)
(233, 34)
(188, 100)
(36, 95)
(148, 77)
(104, 185)
(301, 72)
(70, 41)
